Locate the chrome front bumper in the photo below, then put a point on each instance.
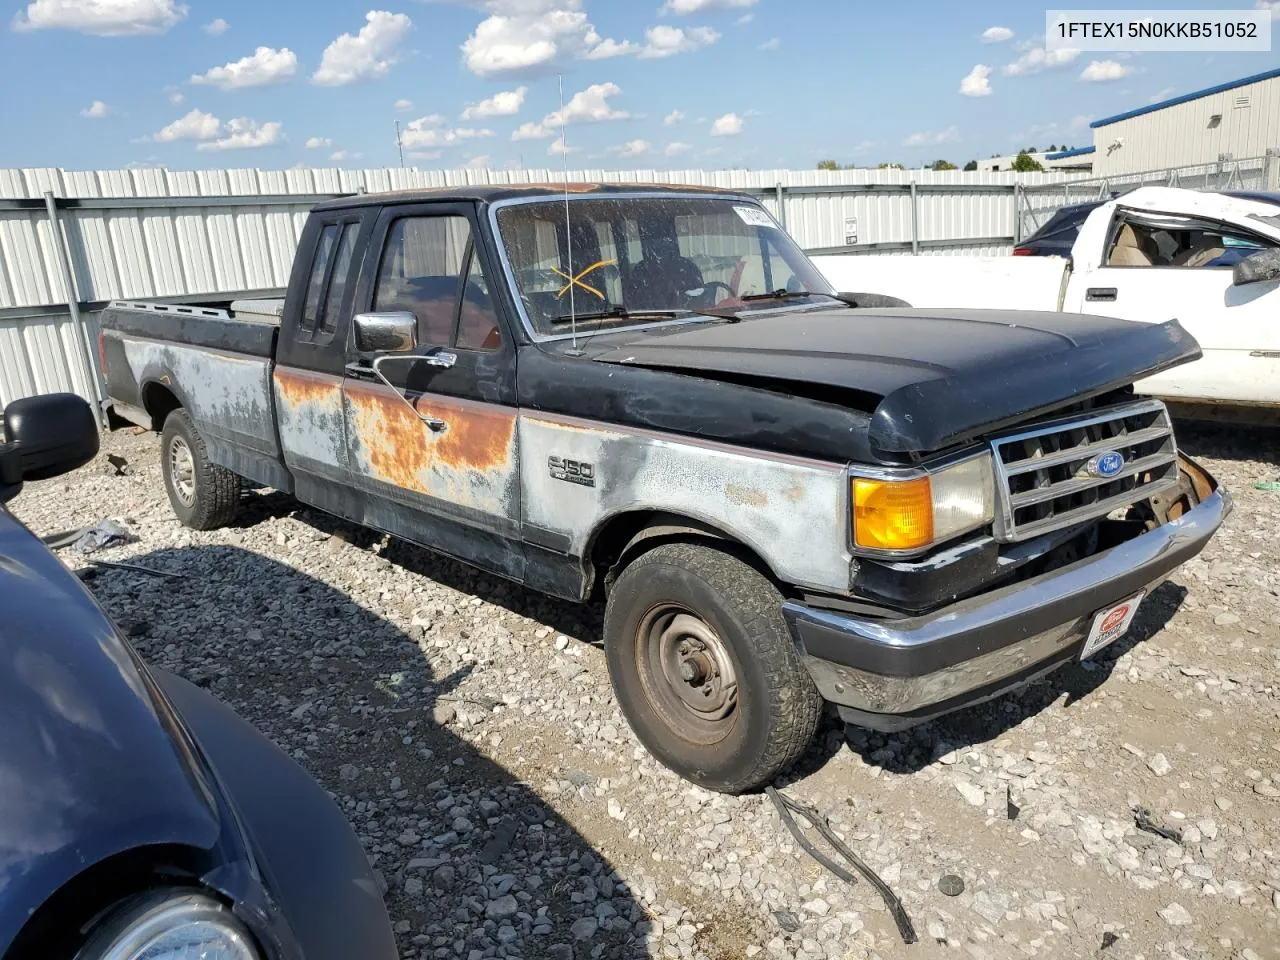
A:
(893, 674)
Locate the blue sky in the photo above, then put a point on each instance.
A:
(96, 84)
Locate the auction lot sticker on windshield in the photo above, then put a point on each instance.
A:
(754, 217)
(1110, 625)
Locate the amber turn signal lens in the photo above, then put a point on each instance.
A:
(892, 514)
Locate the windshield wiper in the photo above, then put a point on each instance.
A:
(617, 313)
(784, 295)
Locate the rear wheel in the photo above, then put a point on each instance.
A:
(203, 495)
(705, 669)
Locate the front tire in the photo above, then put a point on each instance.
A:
(204, 496)
(705, 669)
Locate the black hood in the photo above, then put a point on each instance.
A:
(929, 379)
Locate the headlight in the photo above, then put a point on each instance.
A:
(909, 514)
(171, 925)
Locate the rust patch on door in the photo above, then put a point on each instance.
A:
(470, 462)
(299, 387)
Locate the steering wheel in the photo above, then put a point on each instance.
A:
(707, 296)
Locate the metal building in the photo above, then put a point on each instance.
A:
(1227, 122)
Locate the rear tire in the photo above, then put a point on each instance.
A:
(705, 669)
(204, 496)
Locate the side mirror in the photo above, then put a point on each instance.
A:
(1258, 268)
(50, 435)
(395, 331)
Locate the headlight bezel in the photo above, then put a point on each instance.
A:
(937, 473)
(140, 923)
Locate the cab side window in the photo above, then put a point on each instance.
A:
(428, 269)
(319, 275)
(1180, 242)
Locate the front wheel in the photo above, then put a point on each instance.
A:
(705, 669)
(204, 495)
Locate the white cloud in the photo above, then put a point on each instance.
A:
(730, 125)
(1037, 58)
(245, 134)
(404, 106)
(996, 35)
(265, 66)
(432, 132)
(672, 118)
(675, 148)
(103, 18)
(929, 138)
(368, 55)
(338, 156)
(318, 143)
(743, 20)
(424, 154)
(216, 28)
(558, 147)
(534, 36)
(606, 49)
(176, 97)
(1102, 71)
(632, 148)
(95, 111)
(504, 104)
(1166, 92)
(683, 8)
(531, 131)
(212, 134)
(773, 43)
(976, 82)
(1272, 5)
(479, 162)
(586, 106)
(663, 41)
(196, 125)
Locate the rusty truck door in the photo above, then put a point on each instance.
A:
(311, 354)
(431, 434)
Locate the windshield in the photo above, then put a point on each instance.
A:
(643, 260)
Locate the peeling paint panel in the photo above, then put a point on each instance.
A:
(471, 465)
(792, 512)
(227, 394)
(312, 422)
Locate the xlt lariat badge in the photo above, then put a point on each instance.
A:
(572, 471)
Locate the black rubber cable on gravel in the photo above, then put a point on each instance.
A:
(786, 807)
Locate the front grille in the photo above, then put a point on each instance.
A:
(1048, 478)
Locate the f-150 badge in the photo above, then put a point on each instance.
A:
(572, 471)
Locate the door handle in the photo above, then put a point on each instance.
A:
(441, 358)
(1100, 293)
(361, 371)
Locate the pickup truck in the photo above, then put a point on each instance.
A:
(648, 395)
(1212, 260)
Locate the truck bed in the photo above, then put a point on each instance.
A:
(215, 363)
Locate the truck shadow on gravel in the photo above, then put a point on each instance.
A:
(473, 859)
(905, 752)
(912, 750)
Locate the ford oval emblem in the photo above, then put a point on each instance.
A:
(1105, 464)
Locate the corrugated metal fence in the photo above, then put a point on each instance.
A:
(157, 234)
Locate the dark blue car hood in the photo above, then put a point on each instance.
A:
(92, 760)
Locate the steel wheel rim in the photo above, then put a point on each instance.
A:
(182, 470)
(687, 673)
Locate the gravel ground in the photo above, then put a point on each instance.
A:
(467, 728)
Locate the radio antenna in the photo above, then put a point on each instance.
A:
(568, 233)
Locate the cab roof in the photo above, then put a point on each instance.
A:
(490, 193)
